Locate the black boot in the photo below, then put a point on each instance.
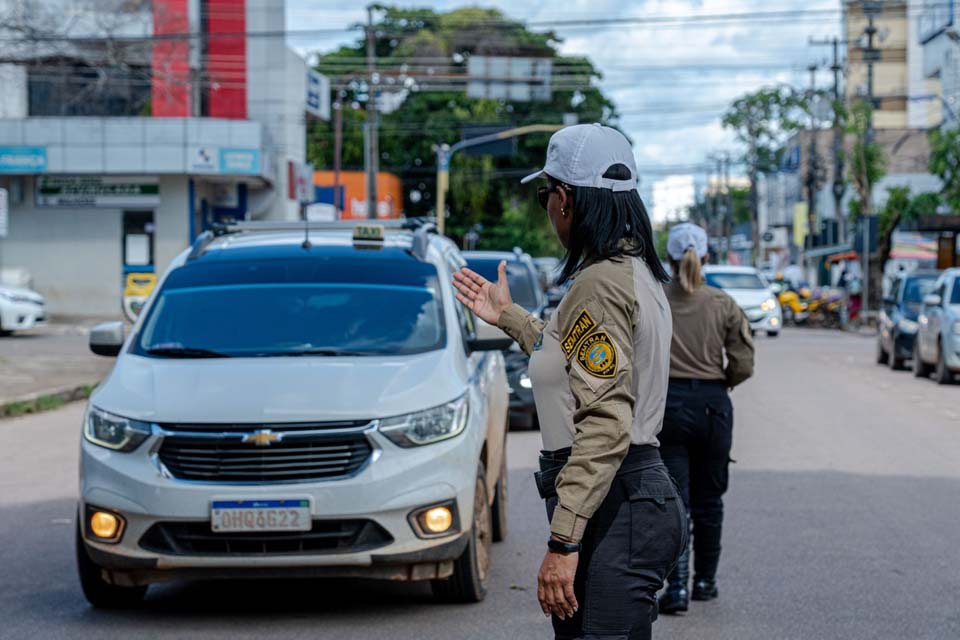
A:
(704, 589)
(677, 597)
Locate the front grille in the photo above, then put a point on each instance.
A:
(326, 536)
(306, 452)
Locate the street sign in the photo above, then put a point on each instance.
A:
(509, 78)
(318, 95)
(767, 236)
(4, 213)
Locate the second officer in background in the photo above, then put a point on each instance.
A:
(698, 423)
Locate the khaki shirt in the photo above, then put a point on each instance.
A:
(707, 323)
(600, 371)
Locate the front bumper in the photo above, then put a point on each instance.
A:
(951, 349)
(768, 321)
(395, 483)
(20, 316)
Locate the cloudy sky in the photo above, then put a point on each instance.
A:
(671, 82)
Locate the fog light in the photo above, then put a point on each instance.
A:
(438, 519)
(104, 525)
(774, 322)
(525, 381)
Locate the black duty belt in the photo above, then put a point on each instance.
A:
(639, 456)
(694, 383)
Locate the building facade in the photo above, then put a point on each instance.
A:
(119, 144)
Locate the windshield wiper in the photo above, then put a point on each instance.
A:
(319, 352)
(186, 352)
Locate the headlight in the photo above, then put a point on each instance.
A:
(113, 432)
(956, 328)
(426, 427)
(907, 326)
(525, 381)
(768, 305)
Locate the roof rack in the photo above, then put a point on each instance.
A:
(421, 227)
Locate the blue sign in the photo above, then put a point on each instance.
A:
(242, 161)
(23, 159)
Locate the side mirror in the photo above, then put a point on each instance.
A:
(931, 300)
(106, 339)
(489, 344)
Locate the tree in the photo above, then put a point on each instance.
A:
(422, 56)
(945, 163)
(867, 158)
(762, 121)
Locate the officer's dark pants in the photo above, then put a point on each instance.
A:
(695, 444)
(629, 546)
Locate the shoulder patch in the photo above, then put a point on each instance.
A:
(598, 355)
(581, 327)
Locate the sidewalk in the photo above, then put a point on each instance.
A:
(52, 360)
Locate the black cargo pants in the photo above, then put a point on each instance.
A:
(629, 546)
(695, 444)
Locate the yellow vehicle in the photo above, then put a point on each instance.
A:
(796, 309)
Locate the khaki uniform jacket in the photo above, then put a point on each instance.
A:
(706, 325)
(600, 371)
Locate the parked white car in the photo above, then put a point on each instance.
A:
(754, 295)
(937, 345)
(20, 309)
(283, 408)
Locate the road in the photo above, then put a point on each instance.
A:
(842, 523)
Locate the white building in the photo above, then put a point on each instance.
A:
(938, 32)
(672, 198)
(107, 181)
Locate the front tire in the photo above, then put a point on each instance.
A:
(896, 364)
(881, 353)
(941, 374)
(100, 593)
(471, 570)
(920, 368)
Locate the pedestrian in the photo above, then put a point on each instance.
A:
(698, 423)
(599, 369)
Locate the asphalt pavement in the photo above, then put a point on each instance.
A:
(842, 522)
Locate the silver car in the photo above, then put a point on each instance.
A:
(937, 347)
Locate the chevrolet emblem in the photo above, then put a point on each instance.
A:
(262, 438)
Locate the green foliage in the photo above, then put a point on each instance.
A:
(945, 163)
(896, 209)
(867, 159)
(482, 189)
(523, 224)
(762, 121)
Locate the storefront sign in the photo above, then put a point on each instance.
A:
(318, 94)
(97, 192)
(240, 161)
(4, 213)
(23, 159)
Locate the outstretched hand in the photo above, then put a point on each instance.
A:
(486, 299)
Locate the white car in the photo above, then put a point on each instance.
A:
(20, 309)
(284, 408)
(751, 292)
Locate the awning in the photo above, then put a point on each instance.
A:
(841, 257)
(820, 252)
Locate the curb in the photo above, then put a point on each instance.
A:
(46, 399)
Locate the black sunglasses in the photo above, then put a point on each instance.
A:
(543, 195)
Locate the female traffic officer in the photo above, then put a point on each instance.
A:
(599, 369)
(698, 424)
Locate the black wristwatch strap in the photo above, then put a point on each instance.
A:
(559, 546)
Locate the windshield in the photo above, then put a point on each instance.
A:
(916, 288)
(955, 296)
(732, 280)
(295, 307)
(523, 286)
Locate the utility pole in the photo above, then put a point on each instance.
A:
(870, 56)
(812, 160)
(728, 199)
(839, 186)
(337, 151)
(371, 151)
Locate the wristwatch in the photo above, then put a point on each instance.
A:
(559, 546)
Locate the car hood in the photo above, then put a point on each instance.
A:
(21, 292)
(285, 389)
(747, 298)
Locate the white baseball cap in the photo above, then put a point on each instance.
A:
(686, 236)
(581, 154)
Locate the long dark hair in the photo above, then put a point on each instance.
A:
(602, 218)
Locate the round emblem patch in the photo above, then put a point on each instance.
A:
(597, 355)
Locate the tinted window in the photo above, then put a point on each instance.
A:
(955, 296)
(916, 288)
(294, 307)
(731, 280)
(523, 285)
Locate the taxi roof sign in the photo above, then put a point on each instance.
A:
(368, 233)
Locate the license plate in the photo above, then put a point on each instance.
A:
(260, 515)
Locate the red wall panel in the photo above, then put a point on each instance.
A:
(226, 58)
(170, 63)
